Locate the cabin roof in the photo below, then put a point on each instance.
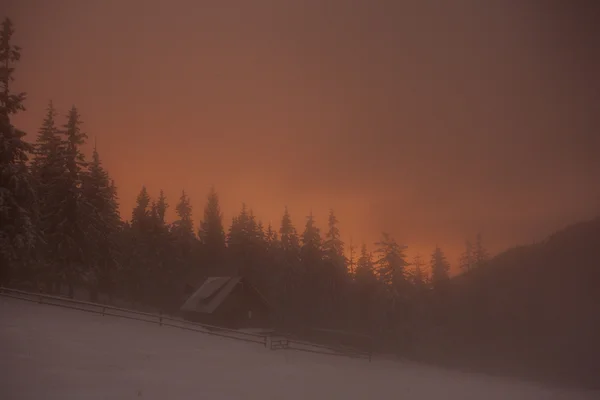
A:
(213, 292)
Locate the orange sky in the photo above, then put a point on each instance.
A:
(431, 123)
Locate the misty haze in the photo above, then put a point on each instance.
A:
(299, 199)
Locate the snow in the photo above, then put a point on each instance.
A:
(49, 352)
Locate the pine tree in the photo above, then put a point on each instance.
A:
(17, 194)
(418, 276)
(184, 240)
(288, 235)
(141, 212)
(351, 259)
(48, 160)
(164, 277)
(247, 247)
(140, 254)
(311, 250)
(315, 281)
(69, 239)
(290, 274)
(103, 227)
(335, 268)
(366, 286)
(365, 268)
(161, 207)
(467, 261)
(49, 172)
(333, 246)
(391, 263)
(271, 235)
(439, 268)
(212, 234)
(480, 254)
(183, 227)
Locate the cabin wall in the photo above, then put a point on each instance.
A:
(243, 308)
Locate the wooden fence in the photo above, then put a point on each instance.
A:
(272, 340)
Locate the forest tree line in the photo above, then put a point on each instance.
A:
(60, 226)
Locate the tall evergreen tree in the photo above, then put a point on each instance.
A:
(311, 250)
(69, 239)
(271, 237)
(103, 226)
(141, 212)
(184, 241)
(49, 172)
(211, 233)
(288, 235)
(335, 268)
(366, 283)
(247, 247)
(439, 268)
(352, 259)
(161, 207)
(467, 261)
(419, 278)
(164, 276)
(290, 274)
(183, 227)
(139, 257)
(17, 195)
(333, 246)
(391, 263)
(315, 281)
(480, 254)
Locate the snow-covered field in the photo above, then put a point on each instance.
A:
(48, 352)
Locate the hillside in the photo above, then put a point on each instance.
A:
(55, 353)
(533, 310)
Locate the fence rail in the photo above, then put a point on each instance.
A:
(160, 319)
(275, 340)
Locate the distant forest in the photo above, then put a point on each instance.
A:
(62, 226)
(530, 311)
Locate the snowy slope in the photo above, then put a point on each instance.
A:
(48, 352)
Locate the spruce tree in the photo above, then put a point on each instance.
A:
(467, 261)
(183, 227)
(164, 274)
(289, 262)
(365, 283)
(352, 259)
(439, 268)
(17, 194)
(248, 248)
(103, 226)
(141, 212)
(212, 234)
(311, 251)
(161, 207)
(480, 254)
(184, 241)
(335, 268)
(69, 238)
(391, 263)
(419, 278)
(290, 243)
(49, 171)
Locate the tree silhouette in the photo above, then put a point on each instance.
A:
(212, 234)
(17, 194)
